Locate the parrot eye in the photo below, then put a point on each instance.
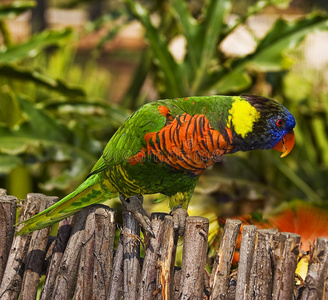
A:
(280, 122)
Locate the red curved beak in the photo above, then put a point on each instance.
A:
(286, 144)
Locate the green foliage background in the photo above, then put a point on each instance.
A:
(55, 115)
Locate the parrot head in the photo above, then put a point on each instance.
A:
(271, 127)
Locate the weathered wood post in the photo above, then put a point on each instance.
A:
(63, 235)
(116, 285)
(65, 283)
(286, 262)
(260, 284)
(223, 258)
(8, 206)
(131, 256)
(314, 286)
(166, 261)
(14, 271)
(194, 258)
(96, 260)
(248, 237)
(147, 285)
(36, 251)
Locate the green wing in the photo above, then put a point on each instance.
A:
(129, 138)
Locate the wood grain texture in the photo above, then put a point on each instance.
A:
(13, 274)
(8, 205)
(286, 262)
(314, 286)
(166, 261)
(147, 285)
(194, 258)
(36, 251)
(261, 277)
(223, 259)
(131, 256)
(63, 235)
(247, 246)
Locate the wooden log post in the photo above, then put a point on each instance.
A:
(116, 285)
(147, 285)
(66, 278)
(247, 246)
(194, 258)
(177, 283)
(13, 274)
(97, 254)
(131, 256)
(261, 277)
(286, 262)
(8, 206)
(223, 258)
(63, 234)
(166, 261)
(104, 251)
(36, 252)
(314, 286)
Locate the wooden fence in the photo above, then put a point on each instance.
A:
(81, 262)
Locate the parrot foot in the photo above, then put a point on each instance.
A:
(133, 204)
(179, 219)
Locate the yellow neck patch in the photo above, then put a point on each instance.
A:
(242, 116)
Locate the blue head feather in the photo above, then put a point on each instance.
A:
(274, 123)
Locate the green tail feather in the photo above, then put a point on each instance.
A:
(93, 190)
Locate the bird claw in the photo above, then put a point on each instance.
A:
(133, 204)
(179, 219)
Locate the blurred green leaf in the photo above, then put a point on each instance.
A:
(15, 8)
(172, 71)
(252, 10)
(208, 36)
(38, 131)
(189, 30)
(292, 80)
(41, 125)
(35, 45)
(27, 74)
(10, 144)
(113, 22)
(321, 137)
(138, 80)
(203, 69)
(67, 4)
(234, 81)
(260, 5)
(10, 110)
(18, 142)
(64, 179)
(8, 163)
(285, 35)
(281, 4)
(202, 36)
(296, 179)
(270, 53)
(115, 114)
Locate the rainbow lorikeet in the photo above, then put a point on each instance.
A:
(166, 145)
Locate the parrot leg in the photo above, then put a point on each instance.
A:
(179, 219)
(133, 204)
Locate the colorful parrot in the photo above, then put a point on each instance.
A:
(165, 146)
